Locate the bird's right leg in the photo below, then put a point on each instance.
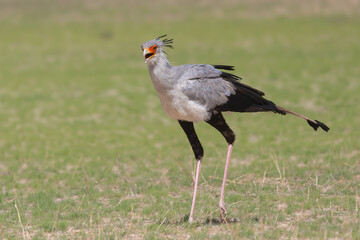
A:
(218, 122)
(198, 150)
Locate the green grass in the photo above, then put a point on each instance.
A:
(87, 152)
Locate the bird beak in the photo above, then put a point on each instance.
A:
(148, 54)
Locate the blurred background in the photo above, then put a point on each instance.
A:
(86, 150)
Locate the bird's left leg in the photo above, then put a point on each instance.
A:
(198, 150)
(218, 122)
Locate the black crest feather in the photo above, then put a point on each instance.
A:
(167, 42)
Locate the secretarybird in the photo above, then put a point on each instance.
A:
(198, 92)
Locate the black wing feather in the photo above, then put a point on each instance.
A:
(246, 98)
(224, 67)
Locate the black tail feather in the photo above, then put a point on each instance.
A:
(317, 124)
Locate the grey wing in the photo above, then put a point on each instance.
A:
(204, 84)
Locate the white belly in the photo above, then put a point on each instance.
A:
(179, 107)
(174, 102)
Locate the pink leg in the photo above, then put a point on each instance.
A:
(198, 163)
(222, 203)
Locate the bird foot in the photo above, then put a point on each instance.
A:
(223, 211)
(223, 214)
(191, 220)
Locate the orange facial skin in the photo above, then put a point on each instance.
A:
(150, 52)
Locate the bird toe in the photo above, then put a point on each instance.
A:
(223, 211)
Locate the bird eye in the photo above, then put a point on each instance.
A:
(154, 47)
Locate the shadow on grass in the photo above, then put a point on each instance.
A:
(219, 220)
(208, 221)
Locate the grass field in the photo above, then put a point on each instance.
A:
(86, 151)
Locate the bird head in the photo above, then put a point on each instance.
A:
(153, 49)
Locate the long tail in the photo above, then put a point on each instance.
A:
(315, 124)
